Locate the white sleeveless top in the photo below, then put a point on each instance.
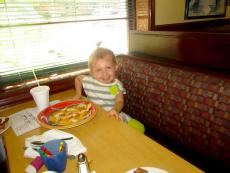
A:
(100, 93)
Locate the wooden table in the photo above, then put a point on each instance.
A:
(113, 146)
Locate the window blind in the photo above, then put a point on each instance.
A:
(50, 36)
(142, 17)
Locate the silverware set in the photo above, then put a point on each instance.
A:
(38, 144)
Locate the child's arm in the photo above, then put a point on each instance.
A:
(78, 86)
(119, 104)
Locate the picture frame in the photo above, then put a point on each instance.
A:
(198, 9)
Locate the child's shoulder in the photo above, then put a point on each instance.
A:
(83, 77)
(117, 81)
(87, 78)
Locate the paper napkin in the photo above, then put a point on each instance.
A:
(74, 145)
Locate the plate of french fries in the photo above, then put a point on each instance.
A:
(67, 114)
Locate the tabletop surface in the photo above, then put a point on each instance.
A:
(112, 146)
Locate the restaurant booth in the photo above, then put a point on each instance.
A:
(178, 84)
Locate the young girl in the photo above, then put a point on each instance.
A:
(101, 86)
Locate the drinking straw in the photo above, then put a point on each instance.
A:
(36, 78)
(46, 151)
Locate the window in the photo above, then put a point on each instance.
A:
(52, 36)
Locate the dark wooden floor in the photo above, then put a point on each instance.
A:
(208, 165)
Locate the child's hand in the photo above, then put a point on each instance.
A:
(76, 97)
(115, 114)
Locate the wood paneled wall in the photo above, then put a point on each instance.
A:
(202, 50)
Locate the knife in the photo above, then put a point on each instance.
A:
(41, 143)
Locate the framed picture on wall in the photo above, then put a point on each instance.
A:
(197, 9)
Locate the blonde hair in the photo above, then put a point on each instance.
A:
(100, 53)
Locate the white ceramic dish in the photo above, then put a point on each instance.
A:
(149, 169)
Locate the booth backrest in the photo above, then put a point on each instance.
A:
(191, 107)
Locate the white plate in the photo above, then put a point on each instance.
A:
(7, 125)
(149, 169)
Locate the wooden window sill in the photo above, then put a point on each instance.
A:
(18, 93)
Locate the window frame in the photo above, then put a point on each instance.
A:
(17, 94)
